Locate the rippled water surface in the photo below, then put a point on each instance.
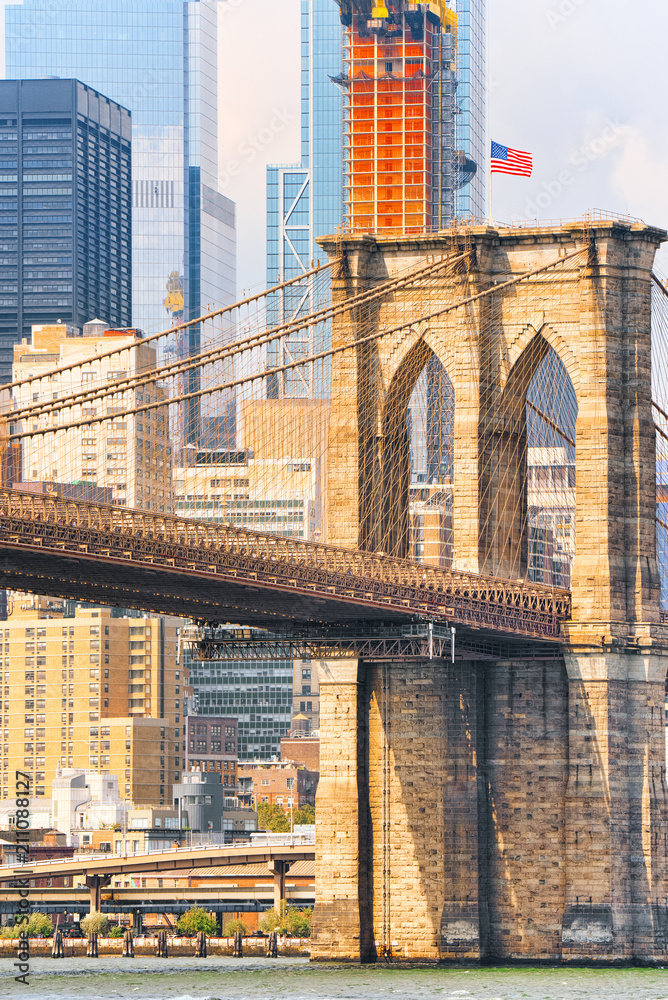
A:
(271, 979)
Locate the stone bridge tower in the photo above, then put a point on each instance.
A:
(513, 809)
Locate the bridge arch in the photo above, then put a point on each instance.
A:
(555, 340)
(527, 498)
(417, 430)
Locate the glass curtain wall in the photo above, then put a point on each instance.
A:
(258, 693)
(471, 106)
(158, 60)
(304, 200)
(65, 209)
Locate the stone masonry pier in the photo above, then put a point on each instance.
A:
(517, 809)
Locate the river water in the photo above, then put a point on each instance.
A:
(295, 979)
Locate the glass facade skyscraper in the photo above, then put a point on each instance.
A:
(471, 118)
(159, 60)
(257, 692)
(304, 200)
(65, 209)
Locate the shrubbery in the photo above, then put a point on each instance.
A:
(290, 921)
(232, 926)
(195, 920)
(39, 925)
(95, 923)
(117, 931)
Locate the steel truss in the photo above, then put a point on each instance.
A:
(266, 562)
(366, 641)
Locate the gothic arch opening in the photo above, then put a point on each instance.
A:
(527, 480)
(418, 446)
(552, 411)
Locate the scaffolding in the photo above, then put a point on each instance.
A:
(399, 79)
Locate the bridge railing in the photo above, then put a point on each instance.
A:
(57, 522)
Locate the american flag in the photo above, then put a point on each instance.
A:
(510, 161)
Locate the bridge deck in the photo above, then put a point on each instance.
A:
(159, 861)
(196, 569)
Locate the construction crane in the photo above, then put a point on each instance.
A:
(386, 10)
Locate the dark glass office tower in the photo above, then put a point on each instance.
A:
(65, 209)
(158, 59)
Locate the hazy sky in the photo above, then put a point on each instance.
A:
(578, 83)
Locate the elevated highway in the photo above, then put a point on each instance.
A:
(222, 899)
(97, 870)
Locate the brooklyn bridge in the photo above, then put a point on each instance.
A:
(493, 762)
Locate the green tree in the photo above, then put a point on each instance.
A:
(289, 921)
(305, 815)
(117, 931)
(298, 922)
(272, 818)
(270, 921)
(95, 923)
(195, 920)
(37, 924)
(232, 926)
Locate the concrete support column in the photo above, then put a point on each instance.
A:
(96, 883)
(407, 768)
(616, 850)
(279, 870)
(423, 810)
(341, 926)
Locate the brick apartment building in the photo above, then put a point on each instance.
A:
(276, 783)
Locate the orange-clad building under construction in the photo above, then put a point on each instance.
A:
(399, 77)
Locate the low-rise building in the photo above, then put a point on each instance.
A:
(279, 783)
(85, 800)
(204, 807)
(43, 845)
(302, 750)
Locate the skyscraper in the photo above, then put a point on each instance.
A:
(471, 119)
(413, 82)
(65, 208)
(371, 73)
(159, 61)
(304, 199)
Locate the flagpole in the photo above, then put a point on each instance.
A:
(491, 210)
(491, 207)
